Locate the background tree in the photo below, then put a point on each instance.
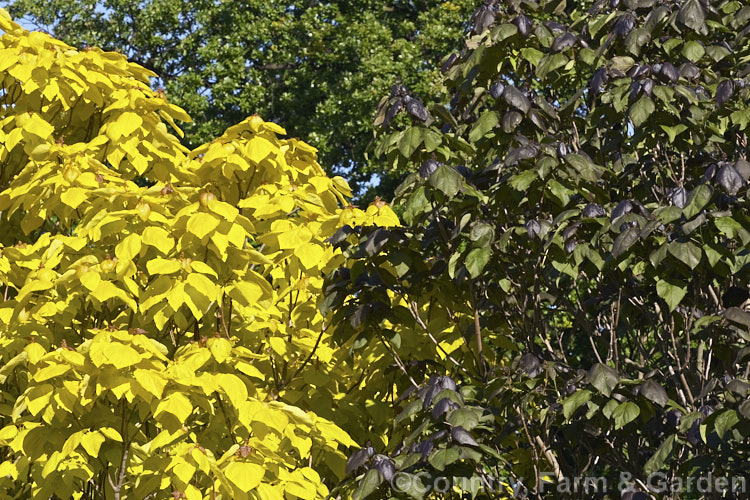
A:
(316, 68)
(576, 245)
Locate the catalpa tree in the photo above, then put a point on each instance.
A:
(576, 247)
(158, 326)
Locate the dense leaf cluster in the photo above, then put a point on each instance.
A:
(159, 334)
(576, 243)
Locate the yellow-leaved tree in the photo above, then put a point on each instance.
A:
(159, 326)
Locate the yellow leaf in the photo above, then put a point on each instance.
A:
(203, 268)
(50, 371)
(220, 348)
(176, 296)
(233, 387)
(246, 293)
(91, 279)
(34, 352)
(152, 382)
(184, 472)
(111, 433)
(278, 345)
(305, 491)
(192, 493)
(38, 126)
(331, 431)
(157, 238)
(249, 370)
(119, 355)
(92, 442)
(201, 460)
(244, 476)
(258, 149)
(175, 404)
(162, 266)
(73, 196)
(128, 247)
(203, 284)
(225, 210)
(7, 433)
(38, 398)
(310, 255)
(201, 223)
(269, 492)
(127, 123)
(294, 238)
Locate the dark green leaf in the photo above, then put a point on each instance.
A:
(368, 484)
(657, 460)
(641, 110)
(574, 401)
(724, 421)
(654, 392)
(476, 260)
(691, 15)
(688, 253)
(699, 198)
(603, 377)
(624, 241)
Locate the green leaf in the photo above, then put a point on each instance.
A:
(724, 421)
(550, 63)
(410, 140)
(691, 15)
(673, 132)
(432, 140)
(737, 315)
(415, 205)
(442, 458)
(574, 401)
(641, 110)
(699, 198)
(624, 240)
(521, 182)
(445, 114)
(625, 413)
(672, 293)
(654, 392)
(447, 179)
(464, 417)
(476, 260)
(657, 460)
(531, 55)
(583, 166)
(368, 484)
(560, 192)
(688, 253)
(603, 377)
(484, 124)
(503, 31)
(693, 50)
(482, 234)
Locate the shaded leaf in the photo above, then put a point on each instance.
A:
(603, 377)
